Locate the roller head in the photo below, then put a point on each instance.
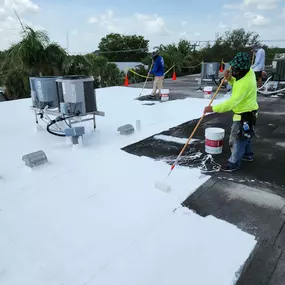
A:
(162, 186)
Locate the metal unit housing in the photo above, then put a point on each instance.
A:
(278, 66)
(78, 95)
(44, 91)
(210, 69)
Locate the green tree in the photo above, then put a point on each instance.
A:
(36, 54)
(77, 65)
(16, 83)
(226, 46)
(180, 55)
(105, 73)
(117, 48)
(98, 64)
(240, 40)
(111, 76)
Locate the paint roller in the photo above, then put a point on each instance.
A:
(162, 185)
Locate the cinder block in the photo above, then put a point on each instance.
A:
(74, 132)
(35, 159)
(126, 129)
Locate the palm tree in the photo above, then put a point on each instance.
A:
(55, 56)
(36, 54)
(98, 63)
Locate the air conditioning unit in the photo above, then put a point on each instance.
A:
(67, 98)
(278, 66)
(76, 95)
(210, 69)
(44, 92)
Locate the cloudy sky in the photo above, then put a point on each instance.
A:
(86, 21)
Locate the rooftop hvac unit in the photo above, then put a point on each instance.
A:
(44, 91)
(210, 69)
(76, 95)
(279, 55)
(278, 68)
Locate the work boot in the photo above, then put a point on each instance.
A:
(152, 96)
(247, 158)
(229, 168)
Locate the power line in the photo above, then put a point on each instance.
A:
(146, 49)
(124, 50)
(112, 51)
(213, 41)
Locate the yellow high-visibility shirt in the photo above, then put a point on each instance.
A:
(243, 98)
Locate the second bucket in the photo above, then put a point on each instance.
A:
(214, 140)
(208, 92)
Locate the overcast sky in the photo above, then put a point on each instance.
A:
(86, 21)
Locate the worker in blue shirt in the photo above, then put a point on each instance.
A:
(259, 63)
(158, 72)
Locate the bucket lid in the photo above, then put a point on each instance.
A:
(215, 130)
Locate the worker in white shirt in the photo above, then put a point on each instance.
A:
(259, 63)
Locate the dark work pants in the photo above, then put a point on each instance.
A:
(240, 147)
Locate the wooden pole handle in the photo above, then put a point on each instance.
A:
(198, 124)
(146, 79)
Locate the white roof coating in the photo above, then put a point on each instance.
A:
(92, 215)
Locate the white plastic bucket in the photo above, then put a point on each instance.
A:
(214, 140)
(208, 92)
(164, 94)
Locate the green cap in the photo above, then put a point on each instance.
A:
(241, 61)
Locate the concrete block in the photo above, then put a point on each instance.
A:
(35, 159)
(126, 129)
(74, 132)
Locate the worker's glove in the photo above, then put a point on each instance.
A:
(208, 109)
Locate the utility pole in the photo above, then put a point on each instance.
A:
(67, 42)
(195, 45)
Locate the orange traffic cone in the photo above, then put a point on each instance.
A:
(174, 75)
(126, 81)
(222, 65)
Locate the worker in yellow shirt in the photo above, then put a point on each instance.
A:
(243, 103)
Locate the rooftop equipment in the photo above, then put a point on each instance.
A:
(278, 67)
(210, 74)
(68, 98)
(210, 69)
(76, 95)
(44, 91)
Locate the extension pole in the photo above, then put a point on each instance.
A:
(195, 129)
(146, 79)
